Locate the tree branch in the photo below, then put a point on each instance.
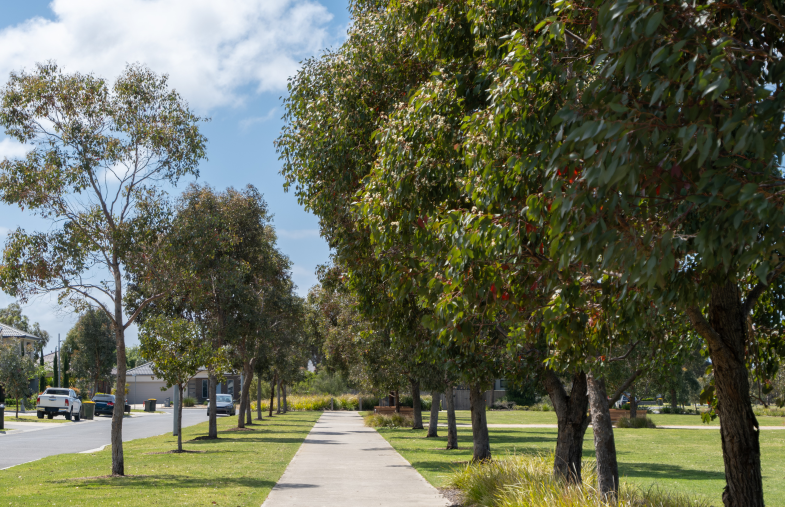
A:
(761, 287)
(623, 357)
(627, 383)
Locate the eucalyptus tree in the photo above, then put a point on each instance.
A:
(99, 153)
(92, 347)
(178, 350)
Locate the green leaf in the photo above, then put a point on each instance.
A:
(653, 23)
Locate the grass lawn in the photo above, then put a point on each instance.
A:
(531, 417)
(240, 468)
(32, 418)
(687, 461)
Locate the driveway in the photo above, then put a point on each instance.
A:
(32, 441)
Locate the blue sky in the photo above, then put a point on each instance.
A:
(229, 59)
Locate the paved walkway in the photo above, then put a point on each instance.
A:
(343, 463)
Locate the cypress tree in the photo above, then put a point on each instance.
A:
(66, 380)
(42, 378)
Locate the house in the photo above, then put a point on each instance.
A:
(143, 384)
(26, 343)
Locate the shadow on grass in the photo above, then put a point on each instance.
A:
(662, 471)
(224, 440)
(169, 481)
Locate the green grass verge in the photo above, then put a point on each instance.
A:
(33, 419)
(240, 468)
(530, 417)
(683, 461)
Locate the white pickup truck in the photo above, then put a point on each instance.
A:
(59, 401)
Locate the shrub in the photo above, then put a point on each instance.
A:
(388, 421)
(671, 410)
(522, 480)
(772, 412)
(322, 402)
(637, 422)
(189, 402)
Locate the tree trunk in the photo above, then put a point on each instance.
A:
(272, 395)
(674, 401)
(118, 463)
(211, 393)
(180, 419)
(726, 335)
(248, 418)
(278, 408)
(259, 398)
(571, 414)
(604, 443)
(417, 405)
(433, 424)
(285, 405)
(482, 443)
(397, 402)
(452, 427)
(633, 403)
(245, 389)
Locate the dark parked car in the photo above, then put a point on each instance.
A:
(104, 404)
(223, 404)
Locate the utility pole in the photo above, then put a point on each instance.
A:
(59, 363)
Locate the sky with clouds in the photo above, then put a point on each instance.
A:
(231, 61)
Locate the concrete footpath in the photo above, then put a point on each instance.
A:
(343, 463)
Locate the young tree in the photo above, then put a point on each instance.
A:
(16, 370)
(178, 349)
(99, 153)
(91, 343)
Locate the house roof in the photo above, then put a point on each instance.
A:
(7, 331)
(142, 369)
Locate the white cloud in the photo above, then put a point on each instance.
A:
(298, 233)
(211, 50)
(12, 149)
(249, 122)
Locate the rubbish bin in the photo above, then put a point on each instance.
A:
(2, 416)
(168, 402)
(88, 410)
(149, 405)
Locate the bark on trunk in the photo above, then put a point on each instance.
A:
(572, 416)
(726, 335)
(674, 402)
(278, 408)
(604, 443)
(433, 424)
(118, 463)
(482, 443)
(248, 418)
(452, 427)
(285, 405)
(417, 405)
(245, 389)
(633, 403)
(211, 393)
(397, 402)
(259, 398)
(272, 396)
(180, 419)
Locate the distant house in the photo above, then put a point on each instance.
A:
(143, 384)
(26, 343)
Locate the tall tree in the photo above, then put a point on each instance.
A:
(16, 370)
(92, 345)
(99, 154)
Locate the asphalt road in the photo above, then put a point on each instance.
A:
(17, 447)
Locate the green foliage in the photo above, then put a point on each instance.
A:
(189, 402)
(637, 422)
(92, 348)
(523, 480)
(321, 382)
(16, 370)
(388, 421)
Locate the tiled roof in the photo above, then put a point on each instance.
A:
(142, 369)
(8, 331)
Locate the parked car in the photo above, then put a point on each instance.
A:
(104, 404)
(223, 404)
(59, 401)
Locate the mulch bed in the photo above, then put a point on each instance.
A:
(454, 496)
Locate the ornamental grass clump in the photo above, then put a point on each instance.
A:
(388, 421)
(527, 481)
(635, 422)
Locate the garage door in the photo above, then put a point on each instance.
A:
(138, 392)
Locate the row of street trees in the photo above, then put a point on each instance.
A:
(200, 274)
(559, 187)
